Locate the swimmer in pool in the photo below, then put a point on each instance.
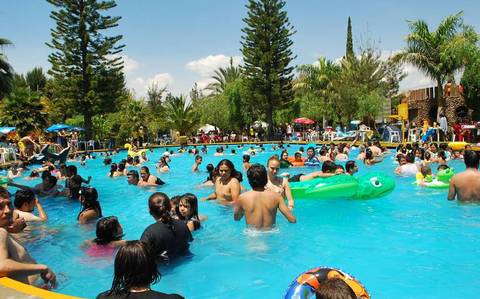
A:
(278, 184)
(227, 183)
(148, 179)
(465, 186)
(259, 205)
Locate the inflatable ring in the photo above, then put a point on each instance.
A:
(305, 285)
(133, 153)
(445, 175)
(298, 164)
(442, 181)
(457, 146)
(371, 185)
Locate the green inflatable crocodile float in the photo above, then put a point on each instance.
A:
(367, 186)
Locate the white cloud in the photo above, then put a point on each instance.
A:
(207, 65)
(129, 64)
(415, 79)
(140, 85)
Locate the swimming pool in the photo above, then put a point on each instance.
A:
(412, 243)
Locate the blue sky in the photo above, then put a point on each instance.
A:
(177, 43)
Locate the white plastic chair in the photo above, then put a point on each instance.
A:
(412, 135)
(394, 135)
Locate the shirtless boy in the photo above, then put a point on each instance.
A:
(259, 205)
(15, 262)
(465, 186)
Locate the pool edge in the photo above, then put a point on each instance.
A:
(26, 289)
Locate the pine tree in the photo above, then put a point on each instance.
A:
(266, 48)
(349, 52)
(85, 61)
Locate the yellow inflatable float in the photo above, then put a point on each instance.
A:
(133, 153)
(457, 146)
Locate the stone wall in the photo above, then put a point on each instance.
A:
(423, 100)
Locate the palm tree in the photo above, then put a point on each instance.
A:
(223, 76)
(180, 115)
(6, 71)
(441, 52)
(24, 110)
(316, 80)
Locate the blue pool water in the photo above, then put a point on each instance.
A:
(412, 243)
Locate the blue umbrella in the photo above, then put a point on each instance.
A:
(57, 127)
(6, 130)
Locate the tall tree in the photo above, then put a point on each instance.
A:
(36, 79)
(266, 49)
(441, 52)
(6, 71)
(349, 54)
(84, 59)
(223, 76)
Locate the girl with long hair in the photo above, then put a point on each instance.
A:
(227, 183)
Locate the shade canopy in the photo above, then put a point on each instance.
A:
(6, 130)
(304, 121)
(58, 127)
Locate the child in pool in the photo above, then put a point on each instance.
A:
(187, 210)
(109, 238)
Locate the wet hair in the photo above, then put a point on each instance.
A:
(34, 174)
(233, 172)
(442, 155)
(323, 151)
(425, 170)
(133, 173)
(246, 158)
(257, 176)
(71, 170)
(427, 155)
(350, 165)
(328, 167)
(471, 159)
(129, 160)
(284, 152)
(368, 154)
(134, 266)
(311, 148)
(161, 210)
(198, 157)
(113, 168)
(107, 230)
(46, 174)
(145, 168)
(107, 161)
(4, 193)
(410, 158)
(90, 200)
(22, 197)
(136, 160)
(51, 180)
(442, 167)
(192, 200)
(121, 166)
(335, 288)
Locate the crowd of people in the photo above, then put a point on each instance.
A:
(176, 218)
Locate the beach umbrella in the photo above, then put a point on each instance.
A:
(57, 127)
(260, 124)
(6, 130)
(303, 121)
(207, 128)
